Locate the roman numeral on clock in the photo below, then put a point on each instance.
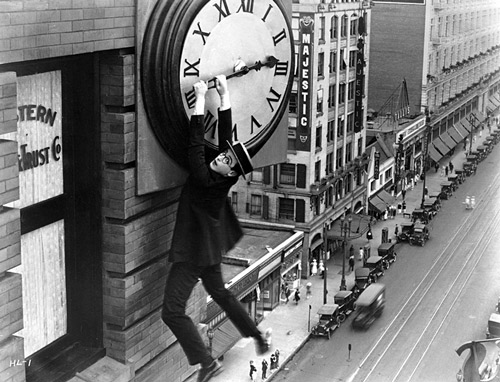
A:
(201, 33)
(192, 69)
(210, 123)
(253, 123)
(280, 36)
(246, 6)
(281, 69)
(275, 99)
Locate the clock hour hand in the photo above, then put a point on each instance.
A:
(270, 62)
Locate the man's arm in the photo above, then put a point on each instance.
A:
(225, 120)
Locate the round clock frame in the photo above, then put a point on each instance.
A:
(170, 39)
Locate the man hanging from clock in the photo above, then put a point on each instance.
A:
(206, 228)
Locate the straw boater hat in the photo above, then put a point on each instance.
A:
(242, 156)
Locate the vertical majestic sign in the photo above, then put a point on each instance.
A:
(306, 39)
(360, 79)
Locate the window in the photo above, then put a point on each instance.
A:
(286, 208)
(287, 173)
(354, 27)
(360, 146)
(321, 64)
(317, 171)
(234, 201)
(334, 27)
(340, 127)
(343, 56)
(333, 61)
(331, 131)
(350, 123)
(292, 104)
(350, 90)
(388, 174)
(372, 185)
(343, 26)
(342, 93)
(339, 157)
(329, 163)
(257, 175)
(331, 96)
(322, 29)
(352, 58)
(348, 152)
(319, 135)
(256, 205)
(319, 103)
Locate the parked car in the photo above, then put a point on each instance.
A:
(376, 265)
(388, 253)
(362, 278)
(369, 306)
(420, 214)
(431, 206)
(345, 299)
(406, 229)
(420, 234)
(446, 189)
(328, 320)
(493, 328)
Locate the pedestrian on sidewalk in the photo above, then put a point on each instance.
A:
(351, 263)
(288, 292)
(404, 207)
(296, 297)
(451, 167)
(314, 267)
(396, 231)
(277, 354)
(403, 193)
(446, 170)
(264, 369)
(361, 253)
(308, 291)
(203, 208)
(351, 251)
(321, 269)
(253, 370)
(273, 361)
(436, 167)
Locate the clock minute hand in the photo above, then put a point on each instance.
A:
(271, 62)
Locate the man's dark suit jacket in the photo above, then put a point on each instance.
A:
(206, 227)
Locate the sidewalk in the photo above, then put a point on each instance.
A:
(291, 323)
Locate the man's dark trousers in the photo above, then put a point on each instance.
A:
(180, 283)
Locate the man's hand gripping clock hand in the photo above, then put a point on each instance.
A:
(200, 89)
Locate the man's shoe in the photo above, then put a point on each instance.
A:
(206, 373)
(263, 344)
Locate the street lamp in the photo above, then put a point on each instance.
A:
(210, 335)
(325, 249)
(345, 229)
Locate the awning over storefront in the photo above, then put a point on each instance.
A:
(386, 197)
(465, 123)
(448, 140)
(359, 226)
(462, 130)
(438, 143)
(434, 154)
(377, 204)
(457, 137)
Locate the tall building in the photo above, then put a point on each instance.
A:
(324, 175)
(448, 52)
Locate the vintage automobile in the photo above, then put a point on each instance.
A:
(469, 168)
(493, 328)
(446, 190)
(432, 206)
(420, 215)
(461, 175)
(483, 151)
(328, 320)
(345, 299)
(454, 179)
(406, 229)
(420, 234)
(362, 278)
(471, 158)
(387, 252)
(377, 265)
(369, 306)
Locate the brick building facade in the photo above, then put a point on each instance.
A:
(118, 240)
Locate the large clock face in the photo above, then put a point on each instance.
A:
(188, 41)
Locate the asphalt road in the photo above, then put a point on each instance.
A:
(438, 297)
